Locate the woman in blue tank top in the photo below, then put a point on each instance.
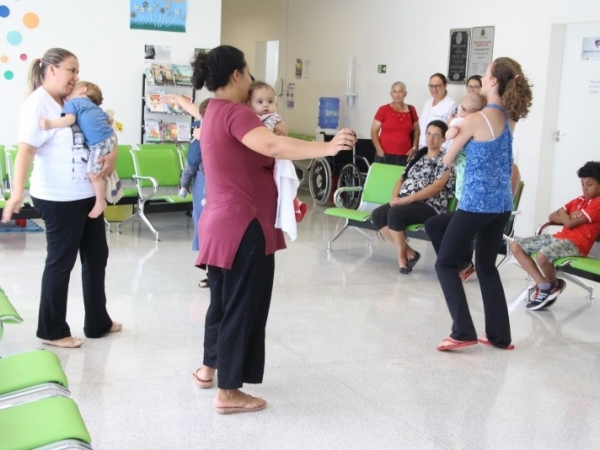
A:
(485, 205)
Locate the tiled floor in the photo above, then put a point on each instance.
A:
(351, 357)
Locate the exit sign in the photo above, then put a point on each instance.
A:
(381, 68)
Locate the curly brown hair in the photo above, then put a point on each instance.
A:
(202, 106)
(513, 87)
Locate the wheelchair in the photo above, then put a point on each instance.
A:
(346, 169)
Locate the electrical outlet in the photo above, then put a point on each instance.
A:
(381, 68)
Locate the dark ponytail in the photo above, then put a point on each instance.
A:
(213, 69)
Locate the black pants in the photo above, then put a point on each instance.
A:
(234, 332)
(397, 160)
(436, 227)
(487, 229)
(398, 218)
(70, 231)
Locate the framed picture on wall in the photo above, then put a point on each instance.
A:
(458, 55)
(482, 49)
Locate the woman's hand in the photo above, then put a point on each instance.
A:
(281, 129)
(12, 206)
(400, 201)
(108, 164)
(345, 139)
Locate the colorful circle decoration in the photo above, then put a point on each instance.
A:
(31, 20)
(14, 38)
(17, 33)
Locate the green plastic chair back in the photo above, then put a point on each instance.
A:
(124, 166)
(29, 369)
(163, 166)
(3, 175)
(8, 313)
(11, 155)
(302, 137)
(380, 182)
(172, 147)
(42, 422)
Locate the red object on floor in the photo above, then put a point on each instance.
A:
(300, 209)
(21, 222)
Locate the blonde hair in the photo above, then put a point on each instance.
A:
(513, 87)
(38, 68)
(476, 101)
(92, 92)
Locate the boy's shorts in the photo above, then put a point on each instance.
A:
(551, 247)
(99, 150)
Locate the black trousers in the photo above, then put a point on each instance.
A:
(69, 231)
(487, 229)
(398, 218)
(234, 332)
(436, 226)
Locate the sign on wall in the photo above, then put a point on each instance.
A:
(158, 15)
(481, 52)
(458, 55)
(590, 48)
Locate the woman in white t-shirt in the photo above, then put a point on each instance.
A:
(438, 107)
(63, 196)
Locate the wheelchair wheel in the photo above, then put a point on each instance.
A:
(320, 180)
(349, 177)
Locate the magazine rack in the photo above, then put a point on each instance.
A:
(164, 123)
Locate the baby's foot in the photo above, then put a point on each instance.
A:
(98, 208)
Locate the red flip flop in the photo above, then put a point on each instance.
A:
(467, 273)
(453, 344)
(485, 340)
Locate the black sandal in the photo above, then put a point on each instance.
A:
(203, 283)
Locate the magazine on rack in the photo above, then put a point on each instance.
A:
(152, 129)
(182, 73)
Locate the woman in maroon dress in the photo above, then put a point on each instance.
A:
(238, 238)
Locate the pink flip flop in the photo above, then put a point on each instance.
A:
(241, 409)
(453, 344)
(204, 384)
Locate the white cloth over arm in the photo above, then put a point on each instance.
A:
(287, 184)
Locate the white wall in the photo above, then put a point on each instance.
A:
(110, 54)
(411, 37)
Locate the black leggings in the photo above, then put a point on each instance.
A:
(436, 227)
(463, 228)
(398, 218)
(240, 297)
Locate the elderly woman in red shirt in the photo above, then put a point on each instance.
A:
(395, 130)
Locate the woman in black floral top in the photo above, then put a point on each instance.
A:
(422, 192)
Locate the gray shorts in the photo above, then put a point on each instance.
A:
(98, 151)
(551, 247)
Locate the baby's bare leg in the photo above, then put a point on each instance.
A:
(99, 185)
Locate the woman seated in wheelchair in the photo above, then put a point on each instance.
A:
(422, 192)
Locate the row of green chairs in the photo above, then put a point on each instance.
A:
(7, 164)
(150, 176)
(35, 409)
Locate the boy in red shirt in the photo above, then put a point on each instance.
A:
(581, 227)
